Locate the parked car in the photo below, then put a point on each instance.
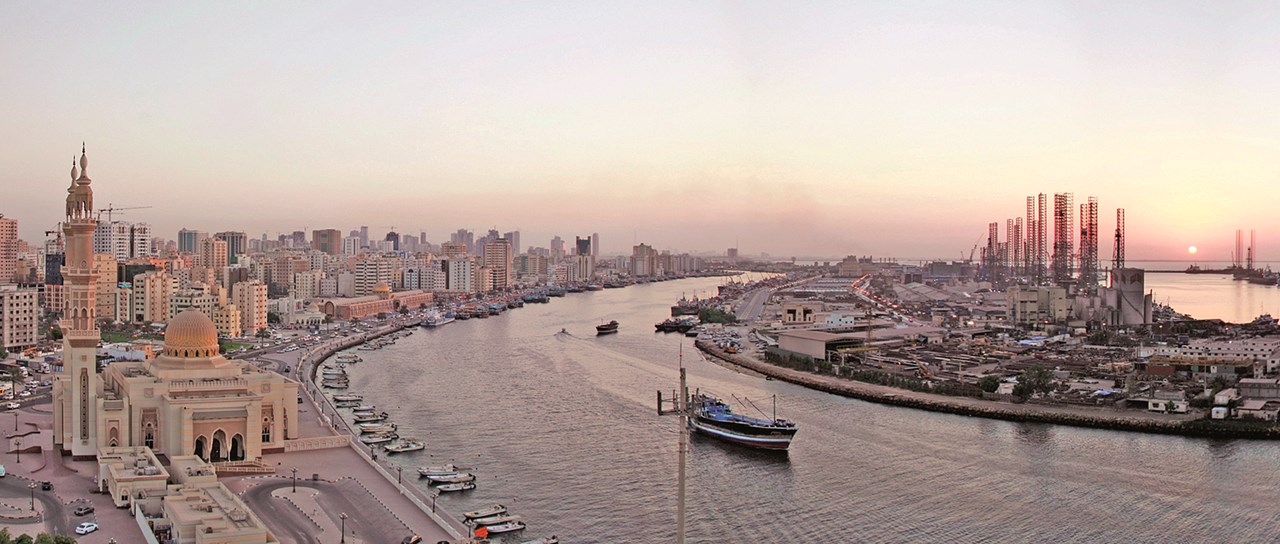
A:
(86, 528)
(2, 471)
(82, 510)
(46, 486)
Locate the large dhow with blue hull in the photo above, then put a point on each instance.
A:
(711, 416)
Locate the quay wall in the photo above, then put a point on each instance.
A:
(1009, 412)
(309, 364)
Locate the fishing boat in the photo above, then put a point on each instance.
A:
(494, 520)
(440, 470)
(335, 385)
(347, 397)
(712, 417)
(464, 486)
(608, 328)
(506, 527)
(349, 358)
(372, 417)
(367, 428)
(406, 445)
(494, 510)
(379, 438)
(437, 319)
(453, 478)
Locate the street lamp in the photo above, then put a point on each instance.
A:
(32, 486)
(433, 501)
(399, 469)
(18, 449)
(343, 517)
(15, 421)
(295, 480)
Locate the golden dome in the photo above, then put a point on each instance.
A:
(191, 334)
(382, 287)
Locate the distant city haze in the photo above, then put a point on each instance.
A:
(792, 128)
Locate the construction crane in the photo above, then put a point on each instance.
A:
(975, 247)
(111, 208)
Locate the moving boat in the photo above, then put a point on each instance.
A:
(465, 486)
(712, 417)
(453, 478)
(608, 328)
(494, 510)
(406, 445)
(440, 470)
(506, 527)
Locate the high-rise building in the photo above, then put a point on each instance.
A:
(453, 249)
(237, 244)
(214, 253)
(557, 249)
(327, 240)
(464, 237)
(75, 391)
(250, 297)
(514, 238)
(351, 245)
(497, 258)
(582, 246)
(364, 236)
(595, 243)
(644, 261)
(8, 248)
(151, 292)
(19, 317)
(306, 284)
(459, 273)
(370, 271)
(189, 240)
(394, 238)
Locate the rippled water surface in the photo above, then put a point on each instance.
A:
(564, 431)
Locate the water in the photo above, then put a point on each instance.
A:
(563, 430)
(1209, 296)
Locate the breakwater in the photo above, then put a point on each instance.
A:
(1029, 413)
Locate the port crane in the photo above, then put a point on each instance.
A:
(111, 209)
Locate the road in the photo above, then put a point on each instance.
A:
(368, 519)
(753, 305)
(16, 490)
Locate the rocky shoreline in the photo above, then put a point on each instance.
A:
(1098, 418)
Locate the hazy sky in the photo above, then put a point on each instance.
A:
(795, 128)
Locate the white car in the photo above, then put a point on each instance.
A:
(25, 393)
(86, 528)
(12, 406)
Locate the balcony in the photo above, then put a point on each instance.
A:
(207, 385)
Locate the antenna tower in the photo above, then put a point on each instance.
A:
(1117, 258)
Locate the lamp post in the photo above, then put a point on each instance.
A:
(32, 487)
(15, 421)
(399, 469)
(18, 449)
(343, 517)
(295, 480)
(433, 501)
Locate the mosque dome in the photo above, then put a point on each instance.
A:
(382, 287)
(191, 334)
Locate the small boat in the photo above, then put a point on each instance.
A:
(495, 520)
(367, 428)
(441, 470)
(372, 417)
(553, 539)
(465, 486)
(506, 527)
(406, 445)
(494, 510)
(379, 438)
(608, 328)
(338, 385)
(343, 398)
(349, 358)
(362, 408)
(453, 478)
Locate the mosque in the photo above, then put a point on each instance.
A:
(188, 400)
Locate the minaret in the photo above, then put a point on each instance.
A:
(76, 424)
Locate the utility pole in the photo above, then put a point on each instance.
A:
(680, 406)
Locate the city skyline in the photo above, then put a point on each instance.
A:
(818, 130)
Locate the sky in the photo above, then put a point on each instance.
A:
(895, 129)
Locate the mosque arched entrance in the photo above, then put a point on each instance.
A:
(218, 447)
(237, 448)
(200, 448)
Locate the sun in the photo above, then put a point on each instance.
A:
(1192, 250)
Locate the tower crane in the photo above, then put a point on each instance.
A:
(111, 208)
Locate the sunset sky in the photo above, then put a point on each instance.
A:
(794, 128)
